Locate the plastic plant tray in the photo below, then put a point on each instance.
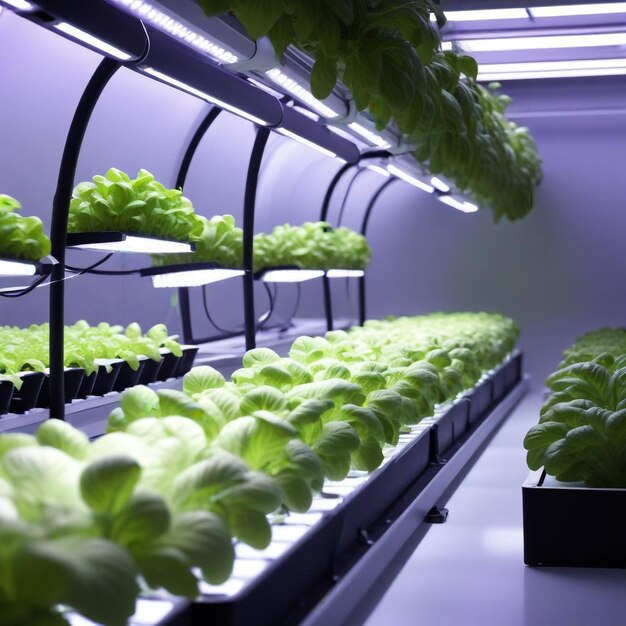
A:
(573, 526)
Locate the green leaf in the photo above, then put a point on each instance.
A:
(199, 379)
(323, 76)
(107, 483)
(168, 567)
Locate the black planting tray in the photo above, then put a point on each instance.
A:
(449, 428)
(573, 526)
(25, 398)
(72, 377)
(481, 400)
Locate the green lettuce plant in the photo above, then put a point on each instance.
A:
(141, 205)
(21, 237)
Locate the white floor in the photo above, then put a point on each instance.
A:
(470, 570)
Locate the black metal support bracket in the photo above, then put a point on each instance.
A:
(436, 515)
(249, 206)
(364, 225)
(58, 229)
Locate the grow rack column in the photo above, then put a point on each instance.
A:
(58, 229)
(364, 225)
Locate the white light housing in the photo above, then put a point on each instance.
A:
(20, 5)
(306, 142)
(135, 244)
(437, 183)
(300, 92)
(200, 94)
(345, 273)
(374, 138)
(607, 8)
(407, 178)
(460, 205)
(379, 170)
(16, 268)
(547, 42)
(148, 13)
(290, 276)
(90, 40)
(552, 69)
(486, 14)
(194, 278)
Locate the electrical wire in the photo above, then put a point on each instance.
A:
(212, 321)
(26, 290)
(92, 269)
(345, 195)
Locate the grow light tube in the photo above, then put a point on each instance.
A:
(149, 13)
(579, 9)
(439, 184)
(20, 5)
(407, 178)
(379, 170)
(290, 275)
(547, 42)
(374, 138)
(121, 242)
(552, 69)
(485, 14)
(17, 268)
(306, 142)
(193, 278)
(91, 41)
(296, 89)
(460, 205)
(338, 273)
(201, 94)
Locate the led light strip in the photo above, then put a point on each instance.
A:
(297, 90)
(407, 178)
(460, 205)
(200, 94)
(306, 142)
(547, 42)
(20, 5)
(290, 276)
(607, 8)
(438, 184)
(552, 69)
(90, 40)
(379, 170)
(193, 278)
(485, 14)
(168, 24)
(370, 136)
(16, 268)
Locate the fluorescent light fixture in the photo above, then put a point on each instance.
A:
(438, 184)
(128, 243)
(607, 8)
(460, 205)
(379, 170)
(374, 138)
(407, 178)
(194, 278)
(290, 276)
(543, 43)
(446, 45)
(17, 268)
(306, 142)
(90, 40)
(148, 13)
(152, 611)
(296, 89)
(20, 5)
(200, 94)
(487, 14)
(552, 69)
(345, 273)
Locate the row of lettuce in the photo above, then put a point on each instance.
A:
(389, 55)
(87, 347)
(159, 500)
(581, 434)
(143, 206)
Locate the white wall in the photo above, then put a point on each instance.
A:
(557, 272)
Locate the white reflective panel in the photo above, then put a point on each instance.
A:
(14, 268)
(306, 519)
(288, 533)
(194, 278)
(90, 40)
(301, 92)
(273, 551)
(345, 273)
(290, 276)
(229, 588)
(201, 94)
(407, 178)
(148, 13)
(139, 245)
(547, 42)
(325, 504)
(371, 136)
(248, 568)
(306, 142)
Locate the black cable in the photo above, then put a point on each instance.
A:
(91, 269)
(26, 290)
(345, 195)
(211, 321)
(266, 316)
(84, 270)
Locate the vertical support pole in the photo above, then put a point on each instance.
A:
(58, 228)
(181, 179)
(364, 225)
(249, 205)
(328, 304)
